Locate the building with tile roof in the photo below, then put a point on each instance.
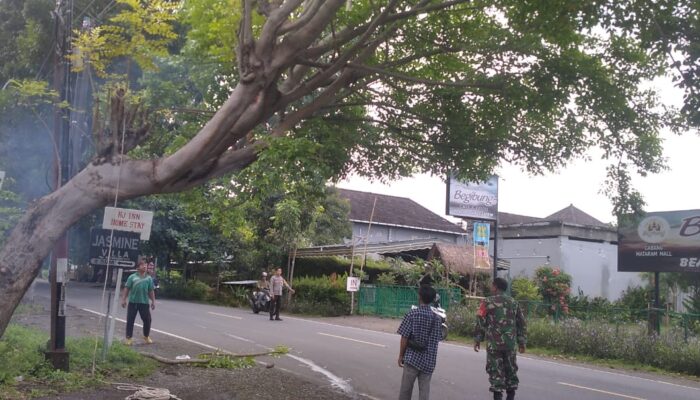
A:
(570, 239)
(395, 219)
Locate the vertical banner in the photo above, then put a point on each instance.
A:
(482, 234)
(2, 178)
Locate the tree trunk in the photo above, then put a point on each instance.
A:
(215, 151)
(32, 239)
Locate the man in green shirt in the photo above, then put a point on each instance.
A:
(139, 288)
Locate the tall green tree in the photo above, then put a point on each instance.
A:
(383, 89)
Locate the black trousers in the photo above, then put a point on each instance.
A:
(145, 313)
(275, 306)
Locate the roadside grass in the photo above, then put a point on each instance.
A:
(558, 355)
(24, 374)
(25, 308)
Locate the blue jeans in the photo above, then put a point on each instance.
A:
(410, 374)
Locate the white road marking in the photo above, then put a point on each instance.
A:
(223, 315)
(351, 339)
(239, 338)
(601, 391)
(610, 373)
(159, 331)
(335, 380)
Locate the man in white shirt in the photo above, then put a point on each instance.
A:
(277, 283)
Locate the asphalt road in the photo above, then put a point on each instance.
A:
(363, 362)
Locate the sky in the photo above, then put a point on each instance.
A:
(580, 183)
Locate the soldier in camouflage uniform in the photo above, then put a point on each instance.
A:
(500, 320)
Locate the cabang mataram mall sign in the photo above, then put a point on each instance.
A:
(659, 242)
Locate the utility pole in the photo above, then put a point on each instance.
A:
(56, 352)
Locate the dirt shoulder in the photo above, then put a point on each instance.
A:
(263, 381)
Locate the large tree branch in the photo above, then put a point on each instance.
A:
(348, 34)
(303, 19)
(270, 31)
(292, 44)
(428, 82)
(323, 76)
(218, 130)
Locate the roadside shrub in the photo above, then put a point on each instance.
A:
(386, 278)
(461, 319)
(635, 298)
(232, 297)
(192, 290)
(325, 295)
(326, 266)
(626, 342)
(554, 286)
(524, 289)
(583, 307)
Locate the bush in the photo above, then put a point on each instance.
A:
(626, 342)
(523, 289)
(635, 298)
(232, 297)
(583, 307)
(323, 295)
(326, 266)
(387, 278)
(554, 286)
(192, 290)
(461, 319)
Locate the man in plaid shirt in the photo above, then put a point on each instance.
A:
(420, 325)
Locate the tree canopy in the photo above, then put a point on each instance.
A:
(313, 90)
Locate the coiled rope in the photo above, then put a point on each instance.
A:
(145, 392)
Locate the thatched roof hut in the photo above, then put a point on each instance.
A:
(459, 258)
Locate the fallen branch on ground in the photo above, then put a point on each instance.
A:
(204, 358)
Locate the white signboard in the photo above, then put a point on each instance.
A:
(477, 200)
(353, 284)
(124, 219)
(61, 269)
(2, 178)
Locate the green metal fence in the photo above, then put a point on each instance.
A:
(395, 301)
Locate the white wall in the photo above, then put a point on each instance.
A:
(592, 265)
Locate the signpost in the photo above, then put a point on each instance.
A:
(659, 242)
(353, 284)
(110, 248)
(476, 201)
(124, 246)
(473, 200)
(123, 219)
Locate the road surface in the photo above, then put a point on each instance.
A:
(364, 362)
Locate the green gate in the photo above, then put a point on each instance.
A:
(395, 301)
